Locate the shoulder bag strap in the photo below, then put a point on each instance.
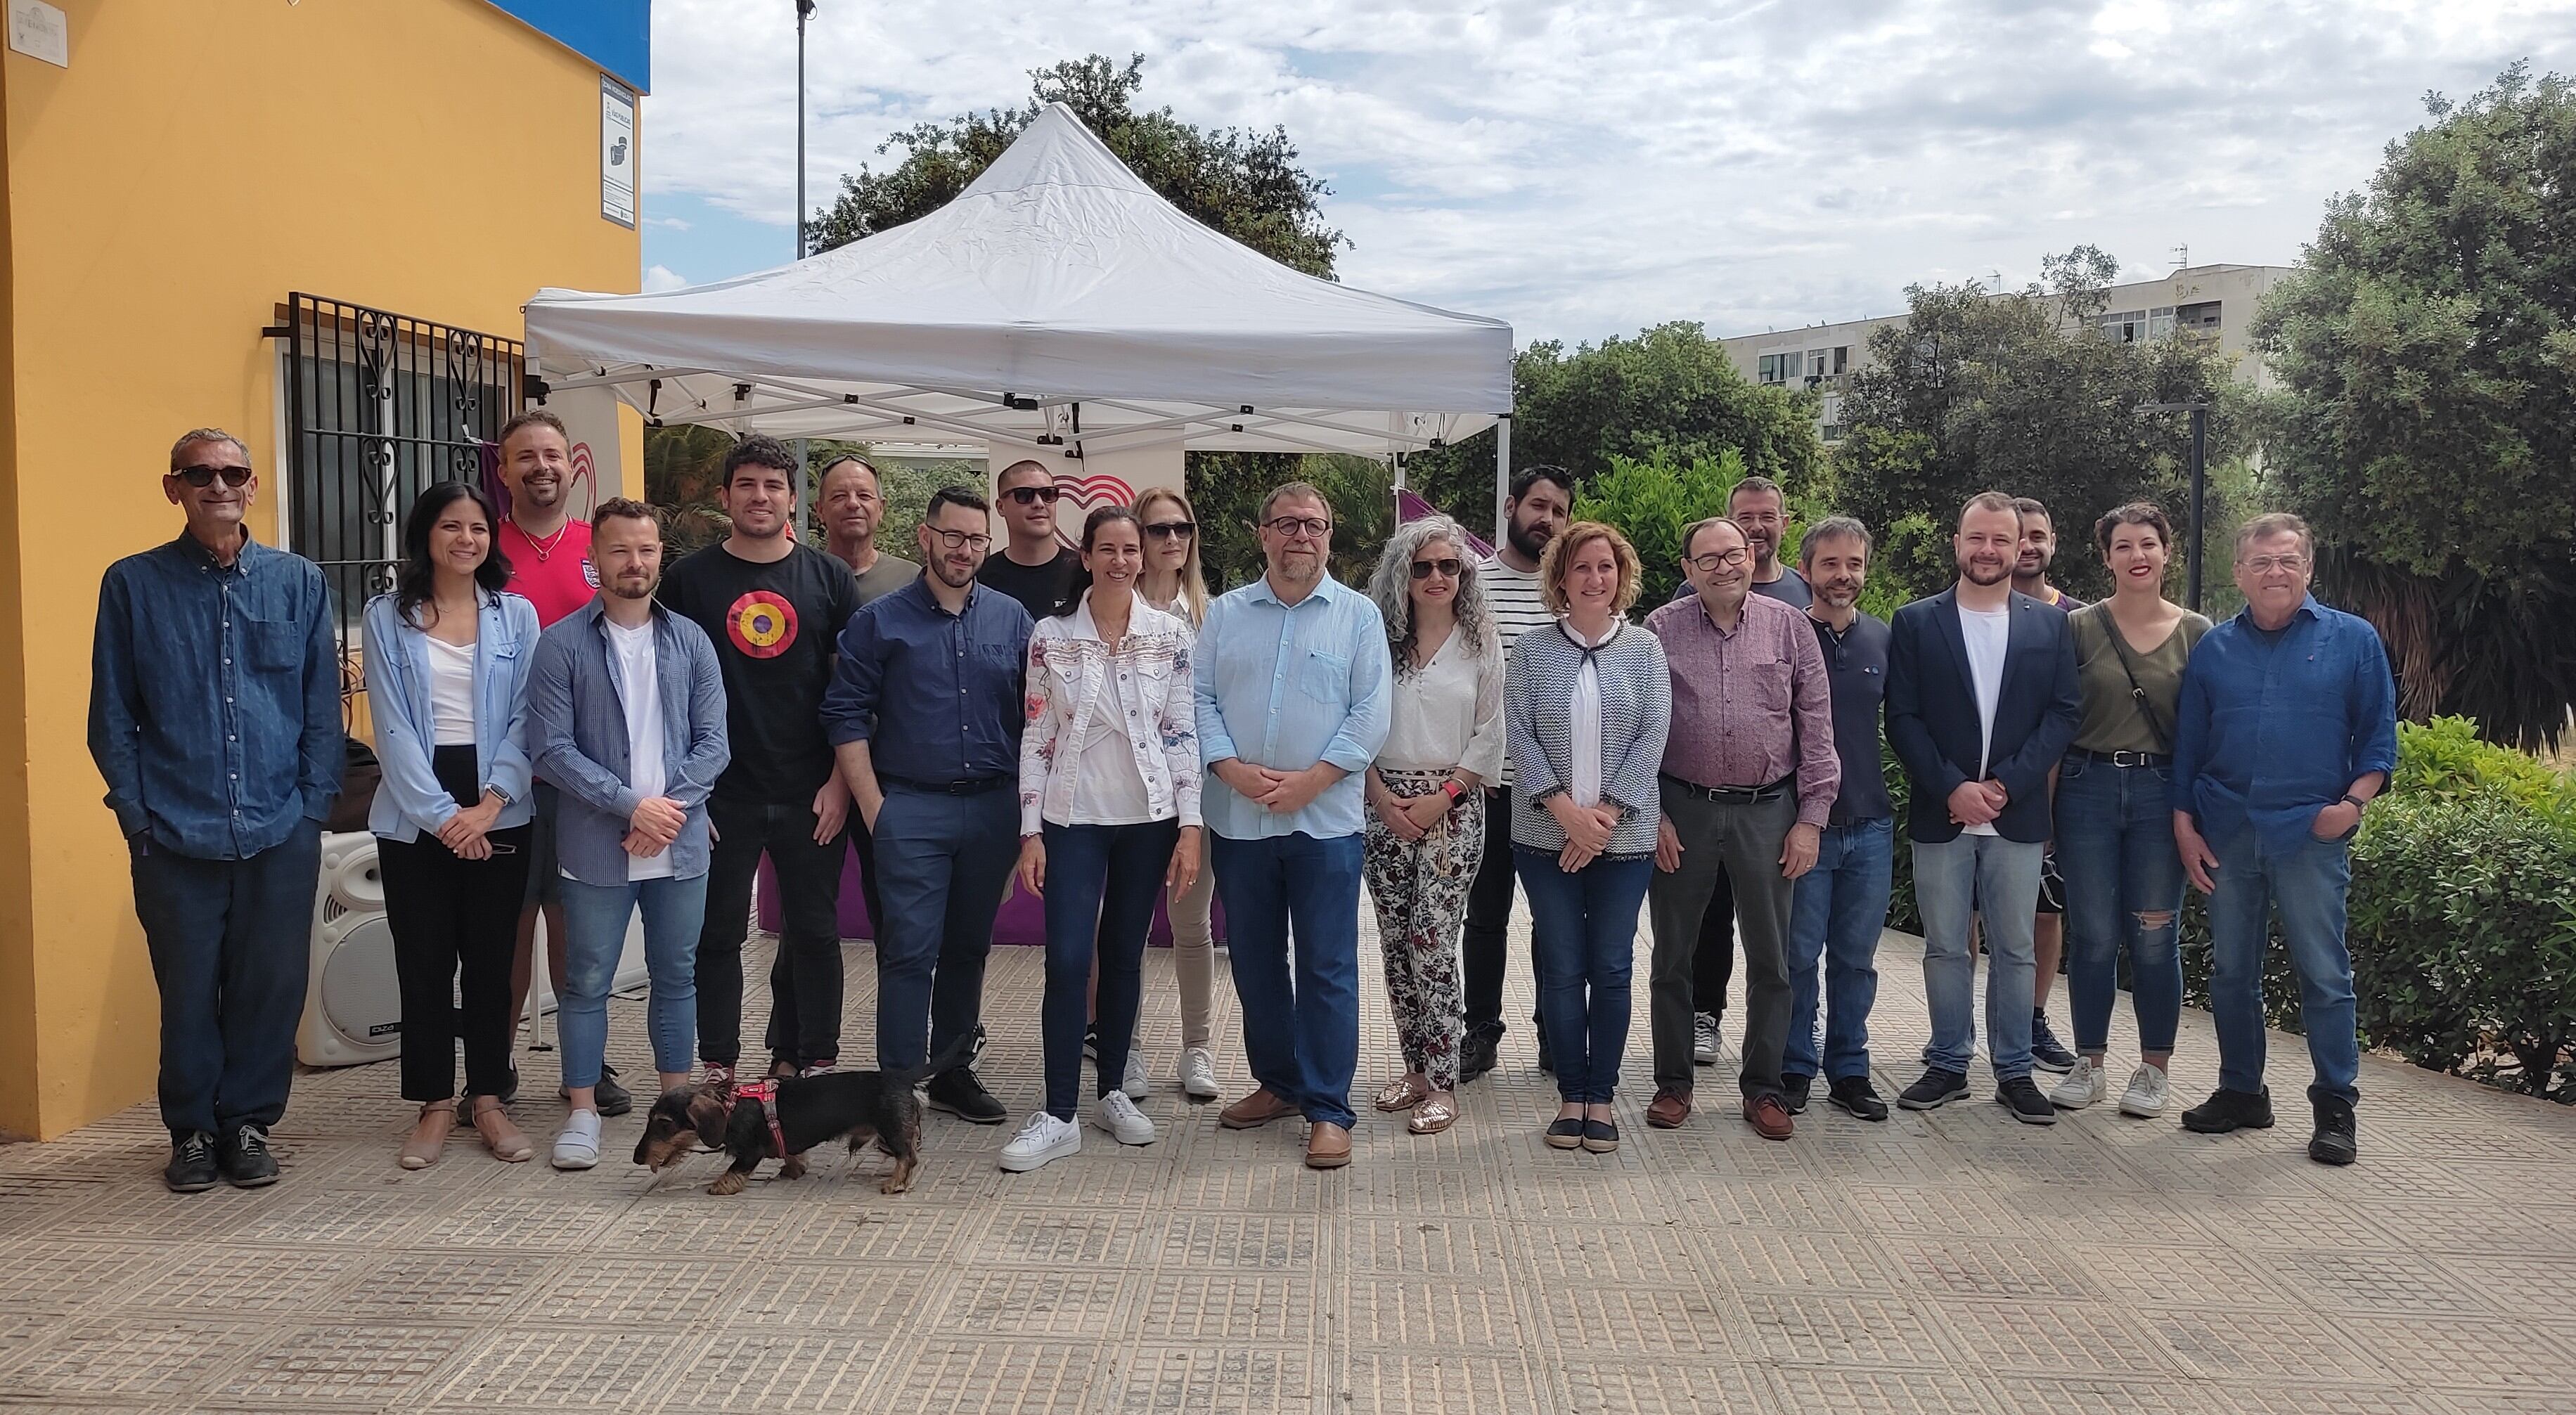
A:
(2156, 722)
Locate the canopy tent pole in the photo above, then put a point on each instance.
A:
(1502, 476)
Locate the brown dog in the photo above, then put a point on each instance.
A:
(856, 1106)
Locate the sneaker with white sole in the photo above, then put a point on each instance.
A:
(1138, 1085)
(577, 1144)
(1198, 1074)
(1119, 1116)
(1043, 1139)
(1704, 1038)
(2085, 1084)
(2148, 1091)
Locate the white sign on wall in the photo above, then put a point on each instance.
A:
(39, 31)
(617, 154)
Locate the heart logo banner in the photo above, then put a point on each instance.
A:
(1080, 496)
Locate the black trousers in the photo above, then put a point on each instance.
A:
(1482, 943)
(1713, 964)
(805, 981)
(455, 924)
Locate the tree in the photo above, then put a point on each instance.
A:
(1979, 391)
(2426, 424)
(1243, 184)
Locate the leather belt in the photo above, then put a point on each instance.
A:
(1731, 795)
(2122, 758)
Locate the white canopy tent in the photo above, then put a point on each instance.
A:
(1058, 301)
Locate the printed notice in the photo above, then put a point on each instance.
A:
(616, 151)
(39, 31)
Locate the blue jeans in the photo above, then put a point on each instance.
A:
(1583, 939)
(943, 863)
(1951, 878)
(1834, 919)
(2308, 884)
(595, 918)
(1101, 883)
(1302, 1036)
(2115, 848)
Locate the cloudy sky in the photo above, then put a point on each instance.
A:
(1584, 170)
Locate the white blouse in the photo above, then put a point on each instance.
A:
(1585, 753)
(451, 692)
(1448, 714)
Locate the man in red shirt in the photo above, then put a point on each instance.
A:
(549, 553)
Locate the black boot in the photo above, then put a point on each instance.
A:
(2336, 1140)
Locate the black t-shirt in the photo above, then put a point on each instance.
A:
(774, 627)
(1042, 590)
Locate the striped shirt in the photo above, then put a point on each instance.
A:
(1511, 599)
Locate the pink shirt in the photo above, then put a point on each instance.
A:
(554, 573)
(1750, 707)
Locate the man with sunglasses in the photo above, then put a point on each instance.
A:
(214, 716)
(1040, 571)
(924, 713)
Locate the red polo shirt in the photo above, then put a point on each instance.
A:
(554, 573)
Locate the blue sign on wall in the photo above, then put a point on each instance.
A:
(617, 35)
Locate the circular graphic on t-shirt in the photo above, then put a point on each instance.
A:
(761, 624)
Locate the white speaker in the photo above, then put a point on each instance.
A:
(352, 995)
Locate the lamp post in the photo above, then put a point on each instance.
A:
(2199, 410)
(804, 8)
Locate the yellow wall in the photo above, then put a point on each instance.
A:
(195, 164)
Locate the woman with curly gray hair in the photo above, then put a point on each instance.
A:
(1426, 824)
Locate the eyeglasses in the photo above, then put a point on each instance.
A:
(1295, 527)
(1172, 530)
(976, 541)
(1717, 560)
(205, 476)
(1447, 567)
(1032, 495)
(2266, 564)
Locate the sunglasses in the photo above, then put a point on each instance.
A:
(1446, 567)
(1033, 495)
(1172, 530)
(205, 476)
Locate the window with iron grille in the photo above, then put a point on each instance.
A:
(378, 406)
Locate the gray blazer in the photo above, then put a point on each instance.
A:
(579, 730)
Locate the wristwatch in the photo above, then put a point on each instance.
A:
(491, 790)
(2356, 802)
(1452, 789)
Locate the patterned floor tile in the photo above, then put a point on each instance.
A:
(1224, 1307)
(1834, 1329)
(1175, 1380)
(946, 1377)
(388, 1365)
(1666, 1388)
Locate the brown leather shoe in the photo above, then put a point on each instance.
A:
(1328, 1146)
(1254, 1111)
(1769, 1116)
(1670, 1107)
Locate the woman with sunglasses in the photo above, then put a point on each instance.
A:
(447, 657)
(1173, 583)
(1426, 798)
(1109, 818)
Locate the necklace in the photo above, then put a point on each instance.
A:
(545, 549)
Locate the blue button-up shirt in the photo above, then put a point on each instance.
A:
(214, 707)
(1285, 686)
(577, 725)
(2272, 729)
(938, 697)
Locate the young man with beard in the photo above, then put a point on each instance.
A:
(549, 555)
(1981, 702)
(850, 501)
(773, 609)
(1043, 573)
(925, 713)
(2036, 551)
(1540, 505)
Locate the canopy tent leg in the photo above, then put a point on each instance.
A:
(1502, 477)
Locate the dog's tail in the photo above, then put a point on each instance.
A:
(958, 1053)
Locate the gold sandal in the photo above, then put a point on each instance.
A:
(503, 1139)
(1436, 1113)
(1401, 1094)
(421, 1148)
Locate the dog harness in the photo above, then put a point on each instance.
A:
(765, 1092)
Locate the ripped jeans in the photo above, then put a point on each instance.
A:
(2115, 848)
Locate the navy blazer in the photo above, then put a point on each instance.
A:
(1932, 713)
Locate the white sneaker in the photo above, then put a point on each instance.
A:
(2084, 1085)
(577, 1144)
(1137, 1085)
(2148, 1090)
(1043, 1139)
(1120, 1117)
(1198, 1074)
(1704, 1038)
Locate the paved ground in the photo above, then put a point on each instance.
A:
(1956, 1262)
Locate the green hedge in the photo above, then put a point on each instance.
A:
(2462, 914)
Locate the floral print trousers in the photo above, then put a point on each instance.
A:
(1420, 888)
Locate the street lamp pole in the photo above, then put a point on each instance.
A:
(804, 8)
(2199, 410)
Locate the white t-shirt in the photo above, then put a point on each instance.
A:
(451, 693)
(1986, 632)
(1586, 709)
(1111, 789)
(644, 727)
(1511, 597)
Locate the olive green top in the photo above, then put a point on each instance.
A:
(2113, 722)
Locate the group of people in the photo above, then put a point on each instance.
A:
(568, 732)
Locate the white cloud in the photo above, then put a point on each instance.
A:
(1585, 169)
(663, 277)
(667, 223)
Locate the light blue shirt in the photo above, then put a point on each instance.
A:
(1286, 686)
(410, 800)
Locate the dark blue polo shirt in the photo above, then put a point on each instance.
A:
(1856, 672)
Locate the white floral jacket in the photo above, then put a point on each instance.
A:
(1079, 687)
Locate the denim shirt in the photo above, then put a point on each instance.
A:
(410, 800)
(2268, 733)
(936, 696)
(577, 718)
(214, 708)
(1286, 686)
